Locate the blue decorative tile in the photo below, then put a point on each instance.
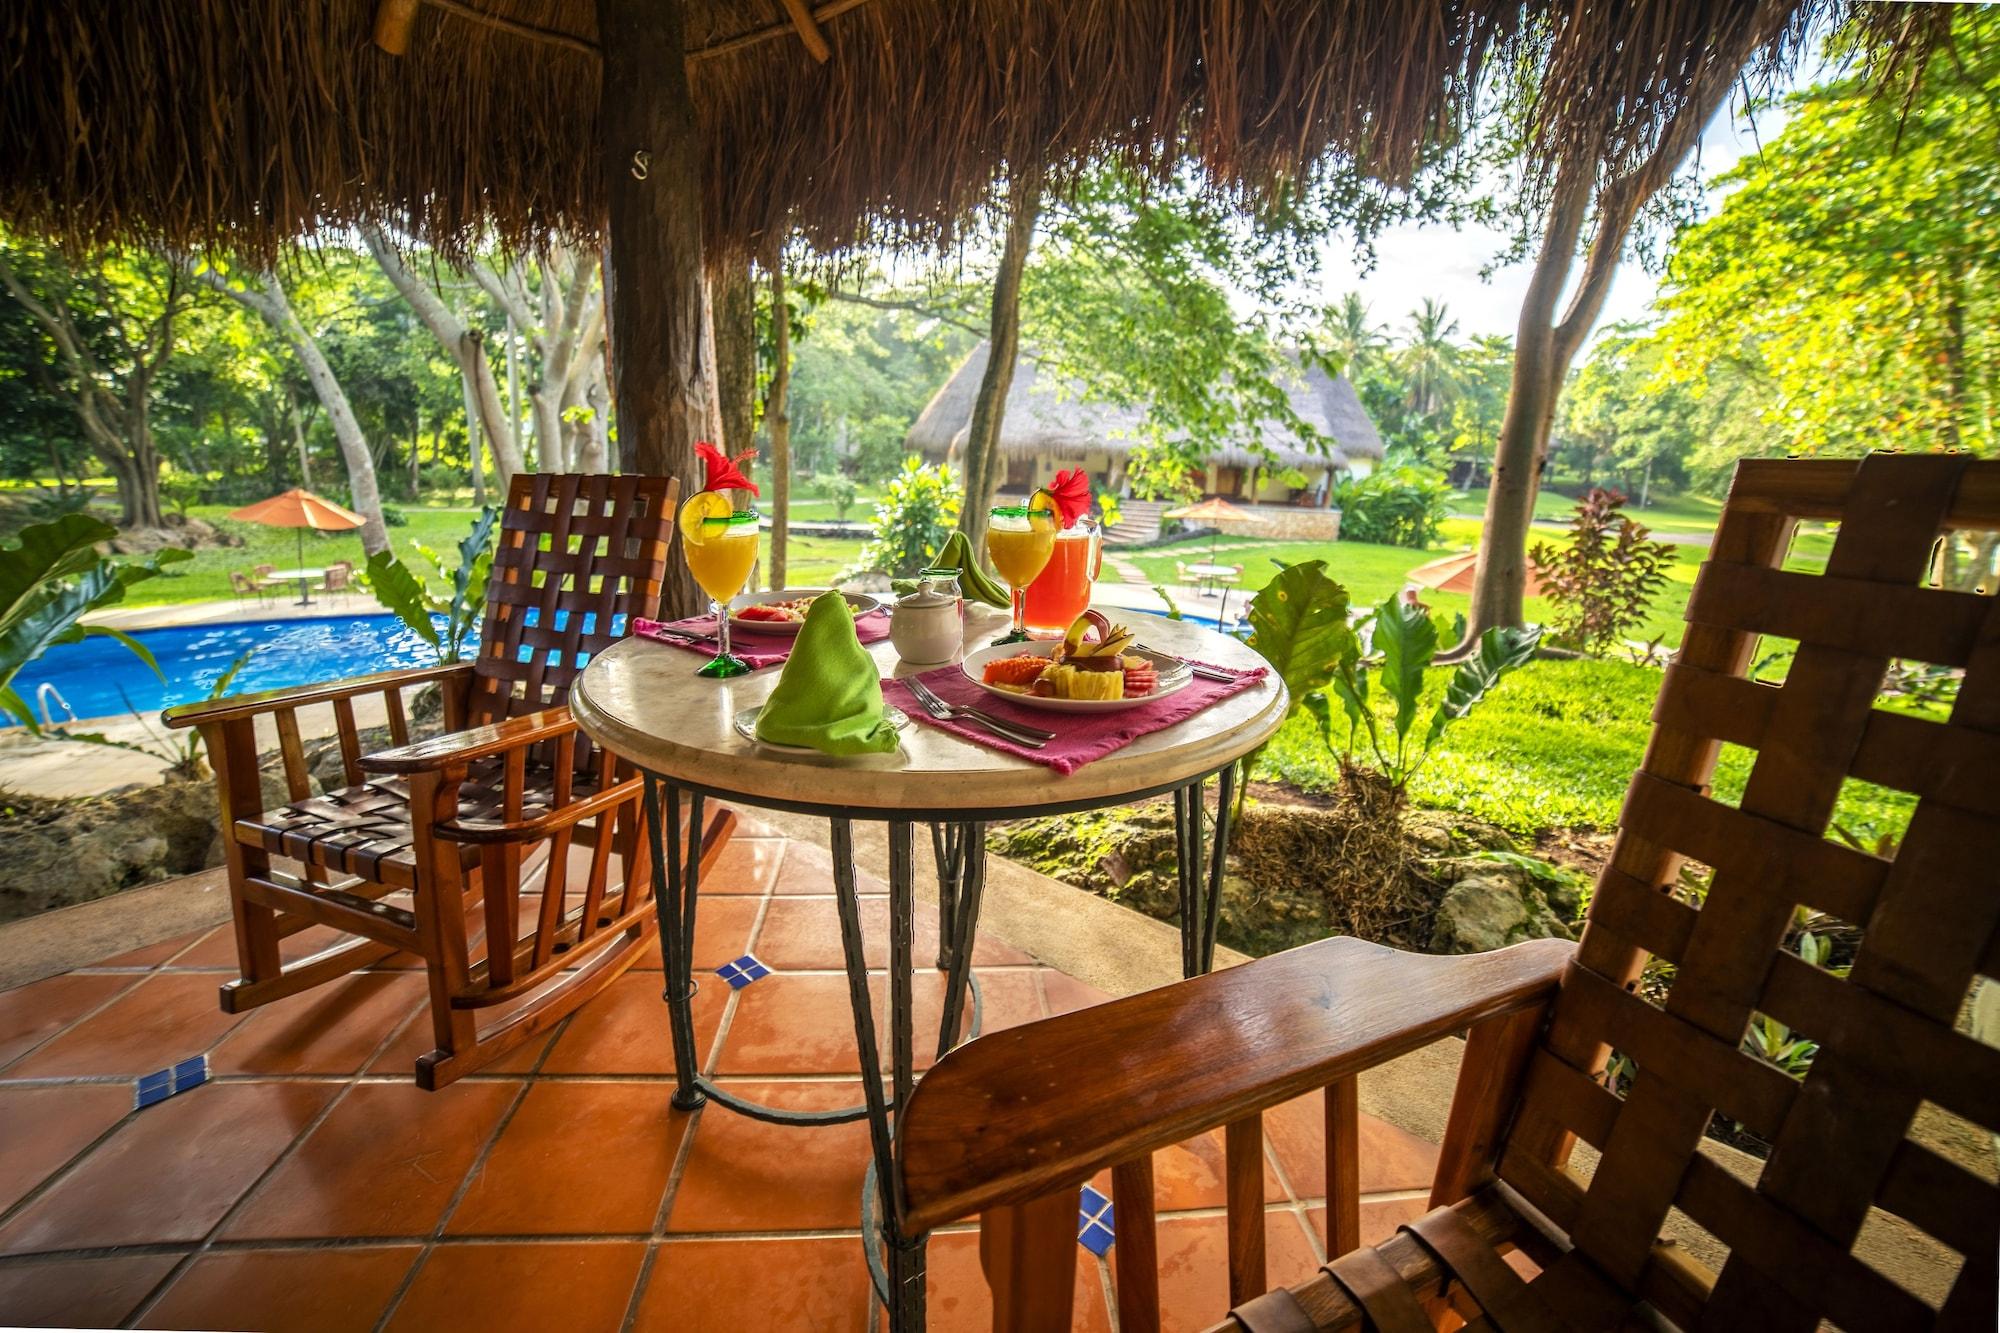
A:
(164, 1083)
(743, 971)
(1095, 1222)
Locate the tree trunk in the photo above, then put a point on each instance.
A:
(778, 419)
(983, 467)
(652, 170)
(473, 446)
(736, 354)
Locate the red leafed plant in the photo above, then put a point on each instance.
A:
(1071, 490)
(722, 471)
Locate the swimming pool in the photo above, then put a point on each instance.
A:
(100, 677)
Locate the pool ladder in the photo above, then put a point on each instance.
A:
(47, 691)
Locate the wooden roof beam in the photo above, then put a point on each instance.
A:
(394, 20)
(809, 33)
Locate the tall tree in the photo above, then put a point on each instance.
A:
(735, 314)
(1351, 340)
(264, 295)
(111, 325)
(1585, 200)
(1429, 360)
(778, 421)
(983, 467)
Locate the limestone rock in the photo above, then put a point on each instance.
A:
(63, 852)
(1492, 911)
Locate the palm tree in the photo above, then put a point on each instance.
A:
(1351, 340)
(1430, 359)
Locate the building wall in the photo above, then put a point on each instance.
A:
(1284, 523)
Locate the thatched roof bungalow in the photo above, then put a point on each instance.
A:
(1048, 425)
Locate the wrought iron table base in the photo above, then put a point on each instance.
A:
(896, 1266)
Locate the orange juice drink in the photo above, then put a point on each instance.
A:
(1019, 556)
(720, 545)
(721, 563)
(1061, 592)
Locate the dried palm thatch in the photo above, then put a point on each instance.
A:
(239, 124)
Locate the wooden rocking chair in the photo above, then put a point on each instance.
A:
(422, 832)
(1004, 1127)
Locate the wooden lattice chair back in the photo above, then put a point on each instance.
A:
(1926, 908)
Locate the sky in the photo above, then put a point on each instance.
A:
(1413, 262)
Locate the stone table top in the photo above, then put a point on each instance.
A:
(643, 701)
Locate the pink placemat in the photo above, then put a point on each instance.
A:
(1080, 737)
(759, 650)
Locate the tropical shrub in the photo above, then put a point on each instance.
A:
(48, 582)
(407, 594)
(841, 489)
(913, 520)
(1603, 581)
(1403, 506)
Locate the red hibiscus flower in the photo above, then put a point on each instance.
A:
(1071, 490)
(722, 473)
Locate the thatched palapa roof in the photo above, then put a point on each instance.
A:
(240, 124)
(1045, 416)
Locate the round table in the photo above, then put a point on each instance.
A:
(302, 577)
(642, 701)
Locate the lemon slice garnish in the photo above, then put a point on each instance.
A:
(703, 514)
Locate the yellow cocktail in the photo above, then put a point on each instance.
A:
(1019, 541)
(721, 546)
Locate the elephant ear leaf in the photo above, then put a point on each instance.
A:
(1500, 650)
(1298, 623)
(1407, 639)
(403, 593)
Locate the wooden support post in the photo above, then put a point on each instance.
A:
(1489, 1077)
(1343, 1167)
(1138, 1249)
(1029, 1253)
(651, 159)
(1243, 1168)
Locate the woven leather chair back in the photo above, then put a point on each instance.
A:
(578, 555)
(1888, 1030)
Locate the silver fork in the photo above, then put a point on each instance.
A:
(1205, 672)
(1018, 732)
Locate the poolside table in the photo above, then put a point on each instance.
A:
(643, 701)
(303, 577)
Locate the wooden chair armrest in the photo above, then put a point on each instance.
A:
(1020, 1113)
(541, 826)
(462, 747)
(239, 706)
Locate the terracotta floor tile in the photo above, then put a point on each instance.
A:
(79, 1293)
(698, 1286)
(576, 1158)
(794, 1024)
(1189, 1175)
(747, 865)
(43, 1128)
(161, 1021)
(153, 955)
(1391, 1158)
(747, 1175)
(1379, 1218)
(750, 826)
(1194, 1265)
(415, 1039)
(1067, 995)
(31, 1014)
(959, 1301)
(384, 1162)
(298, 1291)
(532, 1288)
(722, 928)
(805, 933)
(625, 1030)
(331, 1029)
(171, 1172)
(808, 869)
(218, 949)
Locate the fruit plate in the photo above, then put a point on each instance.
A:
(1174, 675)
(859, 602)
(745, 725)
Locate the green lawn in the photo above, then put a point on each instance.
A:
(1554, 746)
(1677, 514)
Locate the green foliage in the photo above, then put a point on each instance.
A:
(1403, 638)
(1402, 506)
(913, 520)
(183, 752)
(841, 489)
(48, 582)
(408, 595)
(1603, 581)
(1298, 623)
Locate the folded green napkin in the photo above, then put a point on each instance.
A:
(973, 581)
(829, 696)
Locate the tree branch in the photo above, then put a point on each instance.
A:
(910, 307)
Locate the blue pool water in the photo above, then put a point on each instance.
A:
(100, 677)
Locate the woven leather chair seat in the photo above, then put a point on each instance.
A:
(365, 830)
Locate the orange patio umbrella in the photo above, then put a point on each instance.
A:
(1211, 510)
(1453, 573)
(300, 508)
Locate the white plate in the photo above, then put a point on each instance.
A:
(745, 723)
(1174, 675)
(859, 602)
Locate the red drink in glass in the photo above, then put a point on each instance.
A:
(1061, 592)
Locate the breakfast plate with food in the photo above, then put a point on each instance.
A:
(1094, 668)
(783, 611)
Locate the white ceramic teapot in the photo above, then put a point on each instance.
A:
(928, 625)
